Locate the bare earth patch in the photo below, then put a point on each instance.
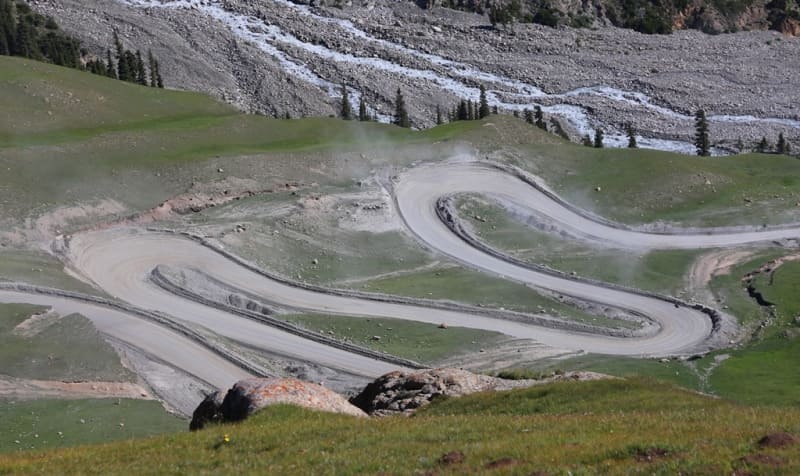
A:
(26, 389)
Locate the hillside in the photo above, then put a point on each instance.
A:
(610, 427)
(277, 58)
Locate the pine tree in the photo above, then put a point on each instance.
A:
(763, 146)
(111, 68)
(141, 71)
(495, 110)
(8, 28)
(363, 116)
(470, 110)
(598, 138)
(555, 125)
(539, 116)
(528, 116)
(701, 141)
(439, 120)
(781, 147)
(400, 113)
(152, 63)
(631, 137)
(345, 111)
(462, 114)
(515, 113)
(159, 79)
(484, 110)
(587, 141)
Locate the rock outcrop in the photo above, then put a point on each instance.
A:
(251, 395)
(404, 392)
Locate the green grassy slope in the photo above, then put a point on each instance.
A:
(609, 427)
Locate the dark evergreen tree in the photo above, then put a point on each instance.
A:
(111, 68)
(587, 141)
(400, 113)
(8, 27)
(470, 110)
(701, 141)
(439, 119)
(141, 71)
(539, 116)
(598, 138)
(484, 110)
(345, 111)
(528, 116)
(631, 137)
(515, 113)
(462, 114)
(363, 116)
(781, 146)
(159, 79)
(495, 111)
(763, 146)
(557, 129)
(25, 41)
(151, 61)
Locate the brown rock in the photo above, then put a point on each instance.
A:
(779, 439)
(451, 458)
(502, 463)
(251, 395)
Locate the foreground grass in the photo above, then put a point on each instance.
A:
(422, 342)
(43, 424)
(69, 348)
(630, 427)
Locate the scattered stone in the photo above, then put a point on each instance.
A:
(443, 325)
(376, 338)
(598, 189)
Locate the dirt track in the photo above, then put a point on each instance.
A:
(120, 261)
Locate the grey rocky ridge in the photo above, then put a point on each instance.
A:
(278, 57)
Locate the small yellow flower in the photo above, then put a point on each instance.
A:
(226, 439)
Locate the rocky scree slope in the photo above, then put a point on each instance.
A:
(275, 57)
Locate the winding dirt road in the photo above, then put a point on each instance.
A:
(120, 261)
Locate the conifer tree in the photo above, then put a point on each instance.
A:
(152, 64)
(111, 68)
(528, 116)
(495, 110)
(484, 110)
(781, 147)
(439, 120)
(631, 137)
(400, 113)
(763, 146)
(462, 114)
(598, 138)
(363, 116)
(515, 113)
(701, 141)
(7, 27)
(587, 141)
(470, 110)
(141, 71)
(159, 79)
(345, 111)
(539, 116)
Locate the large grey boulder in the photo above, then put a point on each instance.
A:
(251, 395)
(404, 392)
